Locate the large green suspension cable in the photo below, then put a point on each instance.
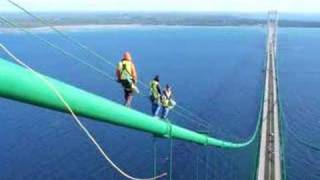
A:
(19, 84)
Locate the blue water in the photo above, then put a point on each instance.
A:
(299, 88)
(217, 72)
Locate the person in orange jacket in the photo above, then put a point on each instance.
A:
(127, 75)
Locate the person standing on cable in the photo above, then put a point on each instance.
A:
(127, 77)
(155, 95)
(167, 102)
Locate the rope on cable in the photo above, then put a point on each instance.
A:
(77, 120)
(86, 48)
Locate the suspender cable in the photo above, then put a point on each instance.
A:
(171, 152)
(207, 164)
(197, 164)
(154, 156)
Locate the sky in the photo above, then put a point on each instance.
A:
(300, 6)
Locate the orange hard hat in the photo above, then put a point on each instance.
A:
(127, 56)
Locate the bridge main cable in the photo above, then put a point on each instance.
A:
(19, 84)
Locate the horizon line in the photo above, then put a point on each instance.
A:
(160, 11)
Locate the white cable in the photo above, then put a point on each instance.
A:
(77, 120)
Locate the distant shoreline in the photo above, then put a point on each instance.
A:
(89, 27)
(70, 21)
(68, 27)
(97, 27)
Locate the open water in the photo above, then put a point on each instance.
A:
(216, 72)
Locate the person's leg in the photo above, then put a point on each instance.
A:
(125, 96)
(128, 98)
(162, 112)
(165, 113)
(157, 109)
(153, 108)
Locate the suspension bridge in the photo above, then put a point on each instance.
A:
(22, 83)
(270, 152)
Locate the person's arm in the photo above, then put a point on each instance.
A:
(134, 73)
(159, 89)
(170, 94)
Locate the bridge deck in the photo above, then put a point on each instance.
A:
(269, 159)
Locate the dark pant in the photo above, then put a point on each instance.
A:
(127, 87)
(155, 107)
(127, 97)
